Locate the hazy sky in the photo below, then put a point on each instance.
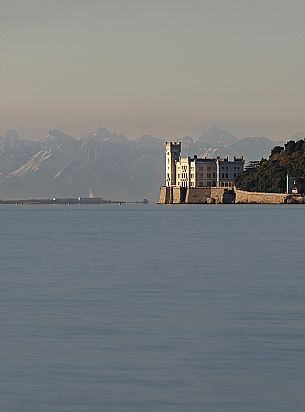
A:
(165, 67)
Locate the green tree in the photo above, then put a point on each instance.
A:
(271, 174)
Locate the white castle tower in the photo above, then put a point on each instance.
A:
(172, 155)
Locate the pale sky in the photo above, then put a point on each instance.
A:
(165, 67)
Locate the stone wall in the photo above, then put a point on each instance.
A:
(222, 195)
(165, 195)
(209, 195)
(178, 194)
(200, 195)
(259, 197)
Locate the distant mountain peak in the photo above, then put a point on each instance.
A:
(298, 136)
(104, 135)
(101, 132)
(147, 138)
(56, 133)
(215, 129)
(217, 137)
(11, 134)
(56, 139)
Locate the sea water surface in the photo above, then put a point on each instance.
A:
(152, 308)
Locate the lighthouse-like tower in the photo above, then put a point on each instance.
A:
(172, 155)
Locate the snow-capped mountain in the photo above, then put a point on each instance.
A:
(104, 163)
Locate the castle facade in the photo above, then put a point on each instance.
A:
(195, 172)
(202, 180)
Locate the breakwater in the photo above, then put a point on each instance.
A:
(68, 201)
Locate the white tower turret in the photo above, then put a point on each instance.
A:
(172, 154)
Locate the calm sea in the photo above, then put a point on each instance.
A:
(152, 308)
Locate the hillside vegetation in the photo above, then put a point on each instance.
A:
(270, 175)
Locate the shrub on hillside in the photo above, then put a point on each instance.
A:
(270, 175)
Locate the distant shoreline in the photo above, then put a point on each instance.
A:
(69, 201)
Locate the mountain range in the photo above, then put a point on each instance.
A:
(104, 163)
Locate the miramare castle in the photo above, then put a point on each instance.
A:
(195, 172)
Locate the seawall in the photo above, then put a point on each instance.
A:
(209, 195)
(201, 195)
(242, 196)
